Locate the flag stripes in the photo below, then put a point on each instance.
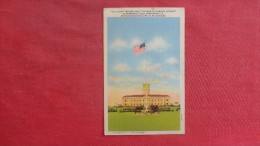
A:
(139, 49)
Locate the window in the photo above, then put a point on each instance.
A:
(125, 104)
(167, 103)
(125, 100)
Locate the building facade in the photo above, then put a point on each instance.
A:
(146, 98)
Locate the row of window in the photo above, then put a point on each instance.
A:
(144, 100)
(149, 104)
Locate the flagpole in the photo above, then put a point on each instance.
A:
(145, 78)
(139, 49)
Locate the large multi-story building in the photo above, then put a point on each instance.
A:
(146, 98)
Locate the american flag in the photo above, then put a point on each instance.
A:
(139, 49)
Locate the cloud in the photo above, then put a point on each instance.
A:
(157, 44)
(147, 66)
(171, 60)
(130, 80)
(135, 83)
(118, 44)
(121, 67)
(167, 75)
(135, 41)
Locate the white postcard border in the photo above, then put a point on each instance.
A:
(173, 12)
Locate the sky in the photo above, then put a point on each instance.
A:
(158, 65)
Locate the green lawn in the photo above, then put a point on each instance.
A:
(128, 121)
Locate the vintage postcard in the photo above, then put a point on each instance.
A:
(144, 71)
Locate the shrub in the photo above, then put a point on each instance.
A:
(164, 108)
(128, 109)
(111, 109)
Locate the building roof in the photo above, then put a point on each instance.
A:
(149, 95)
